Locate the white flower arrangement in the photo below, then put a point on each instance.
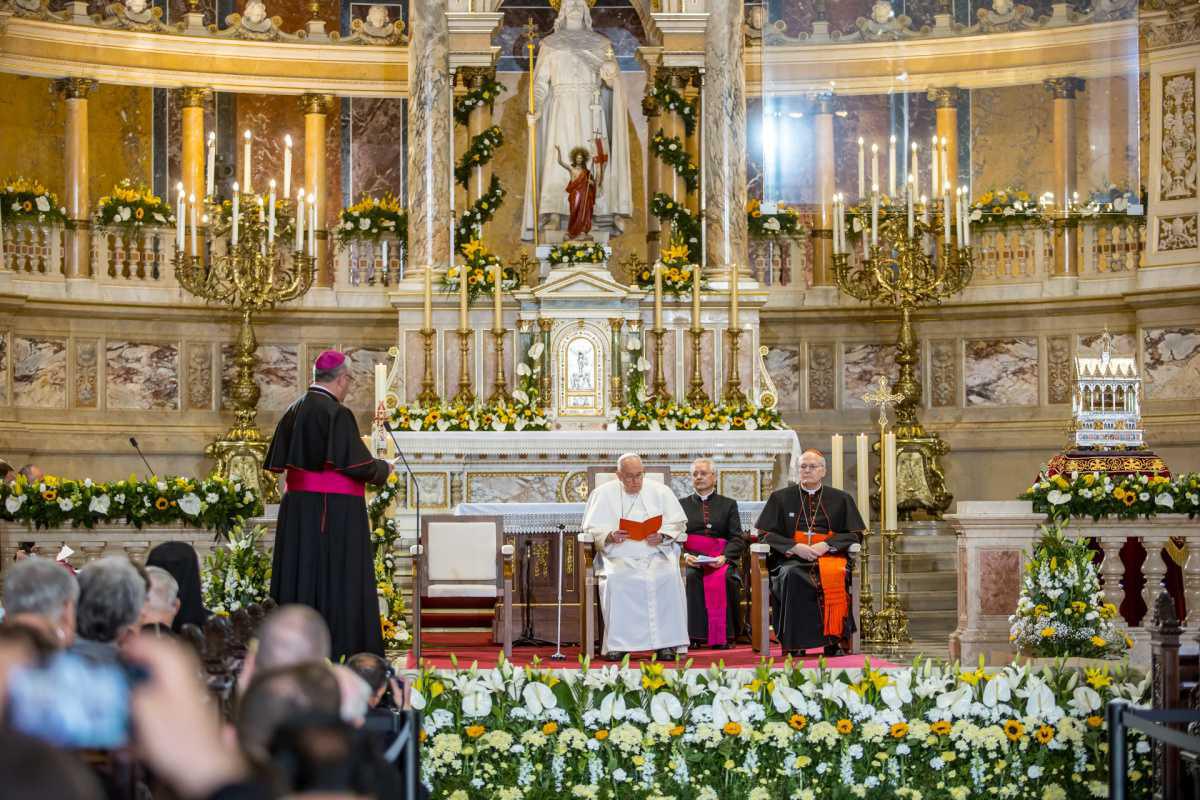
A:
(238, 574)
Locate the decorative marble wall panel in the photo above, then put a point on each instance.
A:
(1058, 370)
(1178, 181)
(999, 580)
(1123, 344)
(142, 376)
(275, 373)
(943, 372)
(1106, 116)
(86, 367)
(200, 376)
(739, 484)
(681, 485)
(862, 364)
(362, 361)
(1010, 128)
(821, 388)
(376, 146)
(1001, 372)
(39, 372)
(783, 365)
(530, 487)
(1171, 363)
(1177, 232)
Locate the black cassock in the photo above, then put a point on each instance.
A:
(797, 608)
(723, 523)
(323, 552)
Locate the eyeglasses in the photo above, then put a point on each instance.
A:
(812, 466)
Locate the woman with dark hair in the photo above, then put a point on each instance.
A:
(180, 559)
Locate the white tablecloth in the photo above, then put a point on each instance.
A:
(543, 517)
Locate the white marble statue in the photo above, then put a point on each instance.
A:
(579, 99)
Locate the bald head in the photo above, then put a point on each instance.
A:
(290, 635)
(812, 468)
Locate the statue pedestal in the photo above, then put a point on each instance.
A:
(549, 271)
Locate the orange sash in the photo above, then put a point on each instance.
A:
(832, 572)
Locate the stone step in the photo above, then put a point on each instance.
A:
(930, 601)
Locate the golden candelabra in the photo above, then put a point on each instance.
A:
(500, 383)
(660, 381)
(696, 394)
(889, 626)
(733, 383)
(907, 270)
(465, 393)
(250, 276)
(617, 384)
(428, 394)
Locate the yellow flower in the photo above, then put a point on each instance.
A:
(1098, 678)
(472, 248)
(162, 504)
(942, 727)
(1044, 734)
(601, 734)
(677, 731)
(732, 728)
(1095, 720)
(899, 730)
(475, 731)
(1119, 493)
(50, 495)
(1014, 730)
(1098, 641)
(1078, 606)
(798, 721)
(1047, 632)
(549, 728)
(844, 726)
(436, 688)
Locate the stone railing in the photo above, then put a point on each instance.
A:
(995, 541)
(32, 250)
(781, 261)
(1012, 253)
(1111, 246)
(359, 264)
(142, 256)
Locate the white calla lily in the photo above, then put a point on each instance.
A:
(899, 691)
(665, 708)
(538, 697)
(998, 690)
(612, 707)
(1085, 700)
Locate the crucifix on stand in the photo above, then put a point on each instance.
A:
(890, 625)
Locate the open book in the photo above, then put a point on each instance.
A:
(638, 531)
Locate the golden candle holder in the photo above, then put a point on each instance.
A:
(891, 622)
(428, 395)
(465, 393)
(545, 325)
(618, 385)
(696, 394)
(733, 383)
(873, 622)
(868, 622)
(499, 383)
(660, 382)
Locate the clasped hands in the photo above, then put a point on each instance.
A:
(809, 552)
(618, 536)
(691, 561)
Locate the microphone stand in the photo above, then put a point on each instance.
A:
(527, 638)
(558, 653)
(387, 426)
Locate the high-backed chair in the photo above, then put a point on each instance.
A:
(760, 599)
(463, 562)
(591, 625)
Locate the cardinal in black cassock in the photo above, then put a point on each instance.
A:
(323, 552)
(810, 529)
(714, 529)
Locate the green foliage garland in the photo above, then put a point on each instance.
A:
(1098, 496)
(577, 253)
(667, 99)
(482, 149)
(393, 621)
(672, 152)
(684, 226)
(479, 213)
(484, 95)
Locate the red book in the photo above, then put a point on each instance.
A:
(640, 530)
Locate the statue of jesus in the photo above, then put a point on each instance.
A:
(579, 101)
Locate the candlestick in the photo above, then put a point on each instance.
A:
(933, 167)
(925, 209)
(287, 165)
(733, 298)
(837, 212)
(179, 214)
(210, 170)
(246, 162)
(835, 462)
(658, 290)
(271, 216)
(380, 384)
(462, 298)
(892, 168)
(312, 224)
(874, 167)
(889, 481)
(946, 213)
(498, 298)
(862, 180)
(237, 198)
(299, 228)
(195, 213)
(862, 469)
(386, 263)
(911, 201)
(427, 316)
(695, 297)
(944, 173)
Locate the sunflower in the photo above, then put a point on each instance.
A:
(549, 728)
(601, 734)
(732, 728)
(942, 727)
(1014, 730)
(798, 721)
(475, 731)
(1044, 734)
(50, 495)
(1129, 499)
(27, 206)
(899, 730)
(139, 213)
(162, 504)
(844, 726)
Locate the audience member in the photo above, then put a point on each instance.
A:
(180, 559)
(40, 594)
(288, 636)
(32, 473)
(356, 695)
(276, 696)
(373, 669)
(323, 756)
(162, 601)
(24, 550)
(34, 770)
(111, 595)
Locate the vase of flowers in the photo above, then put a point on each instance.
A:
(130, 207)
(26, 200)
(1005, 205)
(238, 572)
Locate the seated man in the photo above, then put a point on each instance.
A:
(40, 594)
(111, 595)
(162, 601)
(641, 592)
(809, 528)
(714, 531)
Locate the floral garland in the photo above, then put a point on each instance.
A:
(684, 226)
(372, 217)
(480, 212)
(1005, 205)
(858, 217)
(393, 615)
(779, 731)
(667, 99)
(484, 95)
(237, 574)
(678, 271)
(784, 222)
(479, 267)
(26, 200)
(480, 152)
(670, 151)
(1095, 495)
(1112, 201)
(1060, 611)
(132, 206)
(213, 503)
(577, 253)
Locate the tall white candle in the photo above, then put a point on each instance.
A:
(889, 480)
(892, 168)
(195, 213)
(911, 201)
(837, 214)
(874, 167)
(875, 214)
(298, 227)
(862, 175)
(385, 255)
(262, 210)
(733, 299)
(933, 166)
(179, 214)
(925, 210)
(497, 298)
(237, 199)
(287, 166)
(914, 172)
(658, 295)
(863, 470)
(246, 162)
(271, 215)
(945, 175)
(428, 298)
(210, 171)
(380, 383)
(835, 462)
(946, 212)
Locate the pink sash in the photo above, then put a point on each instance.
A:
(715, 598)
(328, 481)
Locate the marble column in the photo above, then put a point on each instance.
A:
(691, 93)
(945, 101)
(192, 100)
(724, 131)
(1063, 91)
(75, 93)
(823, 235)
(428, 135)
(656, 232)
(316, 113)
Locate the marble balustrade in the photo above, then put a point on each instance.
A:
(995, 542)
(34, 250)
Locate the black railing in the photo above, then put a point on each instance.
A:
(1121, 717)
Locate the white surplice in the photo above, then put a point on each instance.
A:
(642, 594)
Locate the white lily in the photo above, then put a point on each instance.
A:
(538, 697)
(476, 700)
(1039, 701)
(998, 690)
(665, 708)
(958, 701)
(1085, 700)
(612, 707)
(899, 691)
(536, 351)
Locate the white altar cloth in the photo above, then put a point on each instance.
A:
(542, 517)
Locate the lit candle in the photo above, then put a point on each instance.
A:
(946, 212)
(837, 213)
(875, 214)
(945, 173)
(179, 214)
(380, 383)
(925, 210)
(874, 167)
(237, 199)
(385, 255)
(889, 480)
(908, 191)
(287, 165)
(462, 298)
(195, 249)
(497, 298)
(892, 168)
(211, 167)
(863, 468)
(733, 299)
(695, 297)
(914, 172)
(299, 226)
(658, 290)
(428, 317)
(835, 464)
(862, 179)
(246, 162)
(933, 167)
(271, 215)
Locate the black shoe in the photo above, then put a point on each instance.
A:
(613, 656)
(665, 654)
(832, 650)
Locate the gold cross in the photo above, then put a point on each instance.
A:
(881, 396)
(531, 32)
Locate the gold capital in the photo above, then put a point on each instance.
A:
(1063, 88)
(74, 88)
(313, 103)
(617, 323)
(944, 96)
(826, 102)
(476, 77)
(679, 78)
(545, 324)
(193, 96)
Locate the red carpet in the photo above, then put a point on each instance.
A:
(437, 650)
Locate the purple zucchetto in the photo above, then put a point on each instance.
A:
(330, 359)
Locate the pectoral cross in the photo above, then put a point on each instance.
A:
(881, 396)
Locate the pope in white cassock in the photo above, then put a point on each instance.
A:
(642, 594)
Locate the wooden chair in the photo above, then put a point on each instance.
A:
(760, 600)
(463, 558)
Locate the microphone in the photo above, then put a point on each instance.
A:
(387, 426)
(149, 468)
